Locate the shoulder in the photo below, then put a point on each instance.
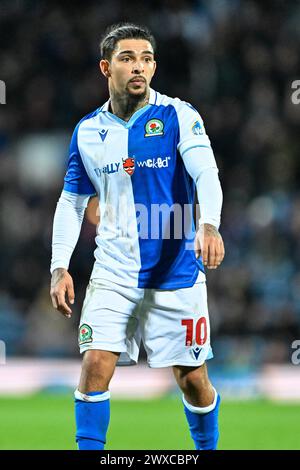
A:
(180, 106)
(83, 124)
(86, 123)
(90, 116)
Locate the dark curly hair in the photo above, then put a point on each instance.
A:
(123, 31)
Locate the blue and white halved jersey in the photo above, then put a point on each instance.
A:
(146, 232)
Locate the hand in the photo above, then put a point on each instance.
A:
(209, 244)
(92, 212)
(61, 283)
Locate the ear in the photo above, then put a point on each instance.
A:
(104, 66)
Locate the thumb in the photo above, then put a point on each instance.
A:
(197, 247)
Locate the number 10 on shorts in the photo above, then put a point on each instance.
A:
(200, 331)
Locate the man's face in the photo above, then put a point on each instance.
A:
(131, 68)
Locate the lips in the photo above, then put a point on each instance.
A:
(137, 80)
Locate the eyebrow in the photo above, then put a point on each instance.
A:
(132, 52)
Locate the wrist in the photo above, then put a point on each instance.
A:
(211, 222)
(58, 271)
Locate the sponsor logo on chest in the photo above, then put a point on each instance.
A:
(129, 164)
(155, 162)
(108, 169)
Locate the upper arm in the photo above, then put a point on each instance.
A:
(194, 144)
(191, 129)
(76, 179)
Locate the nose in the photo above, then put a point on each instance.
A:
(137, 67)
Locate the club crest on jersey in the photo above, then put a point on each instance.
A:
(85, 334)
(197, 129)
(154, 127)
(128, 165)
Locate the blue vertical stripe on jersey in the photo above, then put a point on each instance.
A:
(165, 263)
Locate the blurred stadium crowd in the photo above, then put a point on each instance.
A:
(235, 61)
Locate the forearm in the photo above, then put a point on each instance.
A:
(201, 165)
(66, 228)
(210, 197)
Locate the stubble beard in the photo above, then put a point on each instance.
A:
(128, 102)
(135, 99)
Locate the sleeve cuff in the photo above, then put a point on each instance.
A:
(57, 265)
(213, 222)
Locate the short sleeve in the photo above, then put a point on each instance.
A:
(191, 129)
(76, 179)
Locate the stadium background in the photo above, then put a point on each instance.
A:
(235, 61)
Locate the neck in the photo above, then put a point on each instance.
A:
(124, 106)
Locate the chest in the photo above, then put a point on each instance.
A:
(114, 150)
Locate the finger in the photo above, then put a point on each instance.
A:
(53, 298)
(65, 311)
(211, 264)
(223, 249)
(219, 253)
(205, 252)
(197, 248)
(62, 305)
(71, 293)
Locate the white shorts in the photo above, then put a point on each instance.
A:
(173, 324)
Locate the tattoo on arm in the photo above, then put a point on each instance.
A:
(211, 230)
(57, 275)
